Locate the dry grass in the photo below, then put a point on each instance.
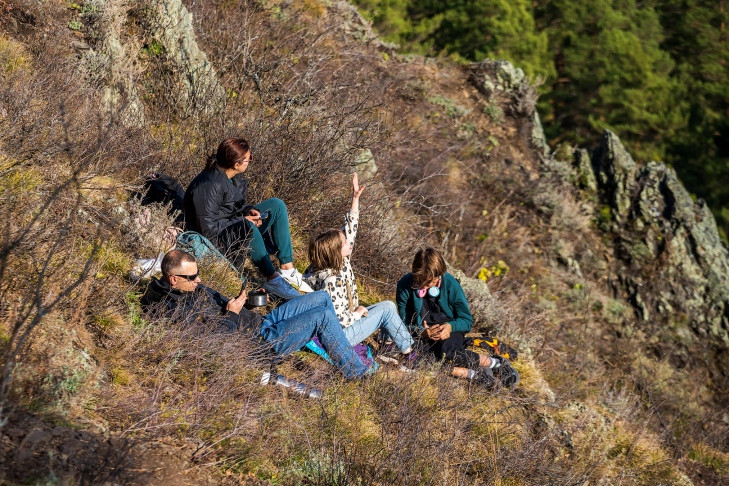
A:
(310, 99)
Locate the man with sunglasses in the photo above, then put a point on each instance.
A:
(180, 296)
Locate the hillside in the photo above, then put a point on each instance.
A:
(604, 273)
(654, 71)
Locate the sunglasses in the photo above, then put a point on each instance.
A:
(191, 278)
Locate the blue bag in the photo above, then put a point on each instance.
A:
(201, 248)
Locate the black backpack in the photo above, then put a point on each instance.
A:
(163, 189)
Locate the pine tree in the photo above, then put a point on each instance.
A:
(698, 41)
(611, 73)
(654, 71)
(473, 30)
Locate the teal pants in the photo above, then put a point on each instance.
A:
(278, 224)
(239, 237)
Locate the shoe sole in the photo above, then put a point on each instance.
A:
(299, 287)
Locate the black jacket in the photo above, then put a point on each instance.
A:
(213, 202)
(204, 305)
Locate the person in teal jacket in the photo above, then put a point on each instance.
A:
(432, 304)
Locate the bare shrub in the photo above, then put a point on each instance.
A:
(311, 100)
(56, 154)
(296, 94)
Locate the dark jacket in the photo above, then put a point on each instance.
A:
(452, 300)
(213, 202)
(204, 305)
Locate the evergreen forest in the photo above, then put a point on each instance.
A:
(653, 71)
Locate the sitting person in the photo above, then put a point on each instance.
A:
(216, 205)
(433, 304)
(285, 329)
(331, 270)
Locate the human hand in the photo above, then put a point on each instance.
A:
(361, 310)
(235, 305)
(432, 331)
(254, 217)
(443, 333)
(356, 189)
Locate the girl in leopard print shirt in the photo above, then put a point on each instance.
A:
(331, 270)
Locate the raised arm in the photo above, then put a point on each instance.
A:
(351, 220)
(356, 193)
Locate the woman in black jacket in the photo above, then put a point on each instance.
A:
(216, 206)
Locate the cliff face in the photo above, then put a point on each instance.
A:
(664, 257)
(674, 267)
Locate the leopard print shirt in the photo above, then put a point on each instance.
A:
(336, 284)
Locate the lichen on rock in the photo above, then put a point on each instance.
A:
(110, 63)
(489, 76)
(172, 26)
(671, 245)
(583, 166)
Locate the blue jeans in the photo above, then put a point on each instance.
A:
(383, 315)
(290, 326)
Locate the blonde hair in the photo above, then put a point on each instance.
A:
(325, 251)
(428, 265)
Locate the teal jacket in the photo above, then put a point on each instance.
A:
(452, 299)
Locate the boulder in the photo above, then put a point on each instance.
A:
(490, 76)
(484, 307)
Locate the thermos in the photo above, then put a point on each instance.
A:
(300, 388)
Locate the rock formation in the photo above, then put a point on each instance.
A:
(678, 267)
(500, 78)
(172, 26)
(110, 63)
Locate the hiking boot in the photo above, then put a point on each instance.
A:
(296, 280)
(280, 288)
(485, 378)
(389, 353)
(505, 373)
(389, 350)
(410, 360)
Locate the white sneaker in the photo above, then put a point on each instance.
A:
(146, 267)
(296, 280)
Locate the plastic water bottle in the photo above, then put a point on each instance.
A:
(295, 386)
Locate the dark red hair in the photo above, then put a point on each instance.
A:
(231, 151)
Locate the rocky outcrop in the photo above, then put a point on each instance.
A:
(491, 76)
(501, 79)
(352, 24)
(172, 27)
(583, 168)
(678, 267)
(110, 63)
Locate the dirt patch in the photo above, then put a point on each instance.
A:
(33, 449)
